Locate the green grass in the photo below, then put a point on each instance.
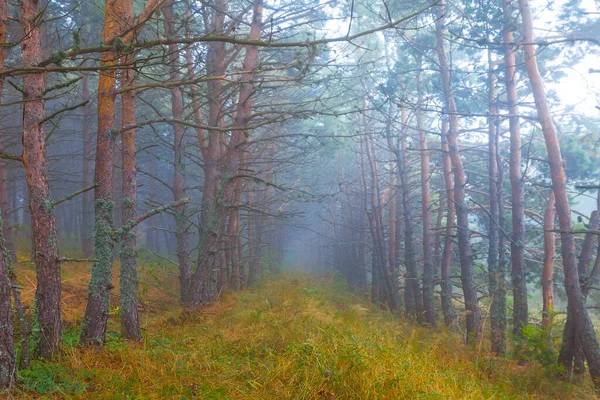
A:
(293, 337)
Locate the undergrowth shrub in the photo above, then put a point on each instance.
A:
(45, 379)
(541, 344)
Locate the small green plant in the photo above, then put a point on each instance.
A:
(539, 344)
(44, 378)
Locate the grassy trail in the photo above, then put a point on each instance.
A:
(293, 337)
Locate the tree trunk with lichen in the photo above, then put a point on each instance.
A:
(41, 206)
(8, 359)
(93, 330)
(223, 159)
(128, 296)
(202, 288)
(5, 204)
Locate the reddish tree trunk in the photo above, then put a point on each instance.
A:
(93, 329)
(582, 324)
(43, 221)
(8, 360)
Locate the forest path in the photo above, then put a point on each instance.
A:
(294, 336)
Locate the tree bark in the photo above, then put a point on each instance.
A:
(128, 299)
(446, 263)
(412, 293)
(583, 327)
(548, 268)
(428, 267)
(8, 361)
(203, 282)
(496, 277)
(183, 252)
(41, 206)
(473, 317)
(517, 246)
(93, 330)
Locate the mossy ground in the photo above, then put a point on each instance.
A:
(293, 337)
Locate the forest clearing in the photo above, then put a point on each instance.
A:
(295, 336)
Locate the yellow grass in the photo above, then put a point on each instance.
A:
(293, 337)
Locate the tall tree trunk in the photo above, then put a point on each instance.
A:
(446, 263)
(392, 220)
(389, 280)
(517, 246)
(412, 292)
(548, 269)
(584, 329)
(183, 252)
(41, 206)
(93, 328)
(428, 299)
(496, 277)
(473, 317)
(222, 164)
(8, 361)
(203, 281)
(128, 299)
(5, 203)
(88, 172)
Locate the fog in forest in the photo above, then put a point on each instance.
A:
(417, 167)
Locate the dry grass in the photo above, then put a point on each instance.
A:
(294, 337)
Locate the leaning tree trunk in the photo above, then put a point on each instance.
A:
(473, 317)
(583, 327)
(43, 221)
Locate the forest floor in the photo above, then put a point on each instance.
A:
(294, 336)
